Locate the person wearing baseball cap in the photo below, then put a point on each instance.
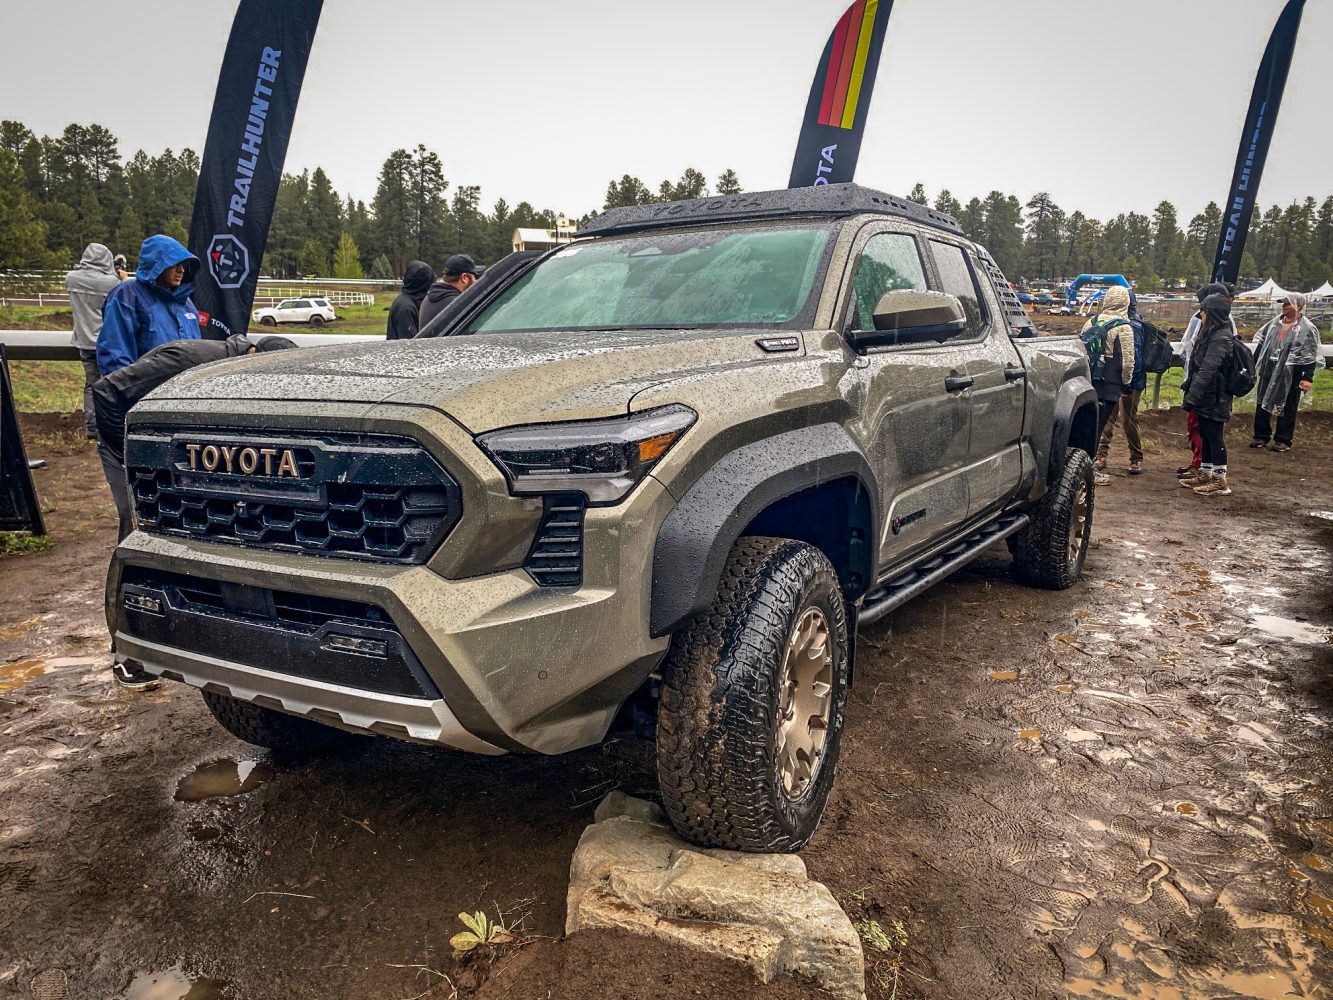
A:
(1284, 362)
(459, 272)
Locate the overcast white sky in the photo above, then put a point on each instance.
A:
(548, 101)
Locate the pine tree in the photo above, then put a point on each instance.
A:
(347, 259)
(918, 194)
(728, 182)
(381, 269)
(22, 236)
(945, 202)
(314, 260)
(129, 235)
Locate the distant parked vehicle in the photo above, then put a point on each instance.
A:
(315, 312)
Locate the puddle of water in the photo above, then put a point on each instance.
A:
(1316, 862)
(1066, 688)
(1264, 986)
(1029, 734)
(1321, 935)
(1321, 905)
(222, 778)
(1299, 876)
(173, 984)
(15, 675)
(1187, 809)
(1287, 628)
(1081, 736)
(1004, 676)
(203, 833)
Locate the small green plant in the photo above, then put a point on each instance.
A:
(22, 543)
(480, 931)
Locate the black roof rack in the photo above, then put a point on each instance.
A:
(828, 200)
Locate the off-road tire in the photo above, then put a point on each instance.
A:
(1043, 552)
(717, 757)
(268, 321)
(316, 321)
(266, 728)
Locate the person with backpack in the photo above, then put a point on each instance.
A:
(1129, 402)
(1286, 351)
(1208, 393)
(1186, 347)
(1109, 340)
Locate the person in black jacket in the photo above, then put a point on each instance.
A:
(1208, 395)
(115, 394)
(460, 273)
(405, 312)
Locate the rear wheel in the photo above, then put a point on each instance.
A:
(753, 694)
(1051, 550)
(268, 321)
(316, 321)
(266, 728)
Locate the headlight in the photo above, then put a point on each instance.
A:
(602, 459)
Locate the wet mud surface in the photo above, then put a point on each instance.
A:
(1121, 790)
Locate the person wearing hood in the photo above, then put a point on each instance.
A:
(1186, 347)
(1113, 377)
(1285, 354)
(88, 286)
(1129, 403)
(153, 309)
(404, 314)
(460, 273)
(1208, 394)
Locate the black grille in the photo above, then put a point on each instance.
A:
(356, 496)
(556, 557)
(320, 638)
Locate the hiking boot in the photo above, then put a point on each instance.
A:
(1215, 487)
(1195, 479)
(131, 674)
(1258, 443)
(1279, 448)
(1136, 468)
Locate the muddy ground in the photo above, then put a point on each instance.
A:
(1122, 790)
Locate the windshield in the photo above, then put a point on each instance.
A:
(745, 277)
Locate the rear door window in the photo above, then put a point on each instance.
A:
(889, 261)
(957, 278)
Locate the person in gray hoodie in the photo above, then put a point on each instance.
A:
(88, 285)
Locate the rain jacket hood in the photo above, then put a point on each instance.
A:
(405, 312)
(1115, 304)
(161, 252)
(417, 279)
(88, 284)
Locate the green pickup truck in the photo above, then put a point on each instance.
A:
(653, 479)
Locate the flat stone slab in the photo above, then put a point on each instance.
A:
(630, 871)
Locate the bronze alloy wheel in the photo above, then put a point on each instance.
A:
(805, 690)
(1078, 524)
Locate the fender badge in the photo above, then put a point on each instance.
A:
(901, 522)
(775, 345)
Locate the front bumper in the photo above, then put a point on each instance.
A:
(505, 665)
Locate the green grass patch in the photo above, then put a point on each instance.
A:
(1171, 394)
(36, 318)
(47, 386)
(22, 543)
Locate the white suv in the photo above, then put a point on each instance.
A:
(316, 312)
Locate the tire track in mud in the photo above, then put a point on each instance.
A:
(1141, 813)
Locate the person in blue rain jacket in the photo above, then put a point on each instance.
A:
(153, 309)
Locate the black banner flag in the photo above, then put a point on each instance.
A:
(1254, 142)
(835, 115)
(247, 140)
(19, 510)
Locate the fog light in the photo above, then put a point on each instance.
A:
(140, 602)
(355, 644)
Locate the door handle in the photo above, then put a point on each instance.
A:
(1013, 373)
(957, 383)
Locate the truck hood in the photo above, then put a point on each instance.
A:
(485, 381)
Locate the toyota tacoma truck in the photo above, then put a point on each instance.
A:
(654, 479)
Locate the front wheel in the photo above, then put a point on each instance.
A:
(268, 321)
(1051, 550)
(753, 696)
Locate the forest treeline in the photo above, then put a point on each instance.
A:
(59, 193)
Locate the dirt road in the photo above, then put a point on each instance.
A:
(1122, 790)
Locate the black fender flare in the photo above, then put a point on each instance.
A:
(697, 536)
(1072, 396)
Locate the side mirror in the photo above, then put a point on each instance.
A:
(906, 316)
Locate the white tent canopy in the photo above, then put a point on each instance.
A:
(1266, 292)
(1324, 291)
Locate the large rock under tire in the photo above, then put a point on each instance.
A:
(728, 778)
(265, 727)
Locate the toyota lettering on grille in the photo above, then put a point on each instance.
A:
(277, 463)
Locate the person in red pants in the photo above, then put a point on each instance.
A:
(1186, 348)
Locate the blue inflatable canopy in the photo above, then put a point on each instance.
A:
(1094, 279)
